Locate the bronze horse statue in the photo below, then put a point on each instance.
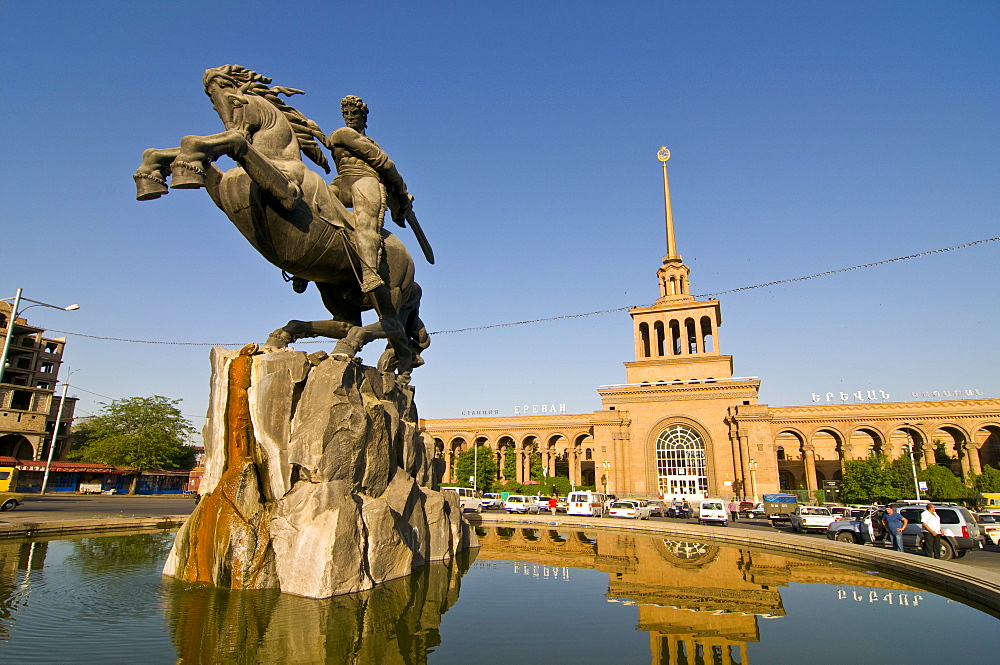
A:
(288, 213)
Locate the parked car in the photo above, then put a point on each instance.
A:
(491, 500)
(657, 508)
(518, 503)
(811, 518)
(543, 503)
(563, 504)
(750, 510)
(630, 509)
(711, 511)
(960, 530)
(989, 524)
(468, 497)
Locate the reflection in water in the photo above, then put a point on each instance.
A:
(558, 595)
(137, 550)
(699, 602)
(396, 622)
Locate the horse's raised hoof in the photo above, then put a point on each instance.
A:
(345, 349)
(279, 339)
(186, 175)
(149, 187)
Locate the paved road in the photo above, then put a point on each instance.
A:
(84, 507)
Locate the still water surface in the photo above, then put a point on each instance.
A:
(528, 596)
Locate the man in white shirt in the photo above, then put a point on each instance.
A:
(931, 523)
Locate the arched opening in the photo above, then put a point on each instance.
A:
(827, 446)
(505, 459)
(948, 443)
(866, 442)
(675, 337)
(793, 465)
(660, 337)
(988, 439)
(708, 339)
(787, 481)
(644, 339)
(691, 335)
(16, 446)
(680, 463)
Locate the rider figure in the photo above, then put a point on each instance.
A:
(367, 182)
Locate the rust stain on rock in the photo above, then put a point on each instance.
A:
(228, 544)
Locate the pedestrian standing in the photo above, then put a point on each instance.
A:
(894, 525)
(553, 502)
(686, 507)
(931, 523)
(734, 510)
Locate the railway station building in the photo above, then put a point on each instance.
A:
(682, 425)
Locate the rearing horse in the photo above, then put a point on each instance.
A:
(286, 211)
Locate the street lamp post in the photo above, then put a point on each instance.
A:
(475, 462)
(55, 433)
(14, 313)
(913, 465)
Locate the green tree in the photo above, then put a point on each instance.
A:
(988, 480)
(509, 465)
(138, 432)
(943, 484)
(869, 480)
(485, 468)
(903, 480)
(941, 455)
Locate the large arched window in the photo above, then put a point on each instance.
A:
(680, 463)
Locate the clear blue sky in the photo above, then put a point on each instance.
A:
(806, 136)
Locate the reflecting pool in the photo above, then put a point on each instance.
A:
(527, 596)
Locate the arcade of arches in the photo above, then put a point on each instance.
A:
(682, 425)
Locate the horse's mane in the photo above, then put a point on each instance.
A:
(252, 83)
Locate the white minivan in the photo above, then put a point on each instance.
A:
(711, 511)
(467, 497)
(586, 503)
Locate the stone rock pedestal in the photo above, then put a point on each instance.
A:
(317, 481)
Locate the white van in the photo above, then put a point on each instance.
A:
(586, 503)
(467, 497)
(711, 511)
(518, 503)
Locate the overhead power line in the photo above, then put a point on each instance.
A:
(574, 316)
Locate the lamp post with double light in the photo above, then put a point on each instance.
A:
(14, 314)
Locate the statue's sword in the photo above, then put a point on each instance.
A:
(421, 238)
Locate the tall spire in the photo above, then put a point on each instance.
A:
(664, 155)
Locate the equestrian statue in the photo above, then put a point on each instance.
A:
(300, 223)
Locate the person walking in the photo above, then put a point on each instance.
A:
(894, 525)
(931, 523)
(734, 510)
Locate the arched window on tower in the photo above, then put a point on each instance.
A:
(658, 329)
(708, 339)
(644, 337)
(683, 284)
(675, 337)
(691, 336)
